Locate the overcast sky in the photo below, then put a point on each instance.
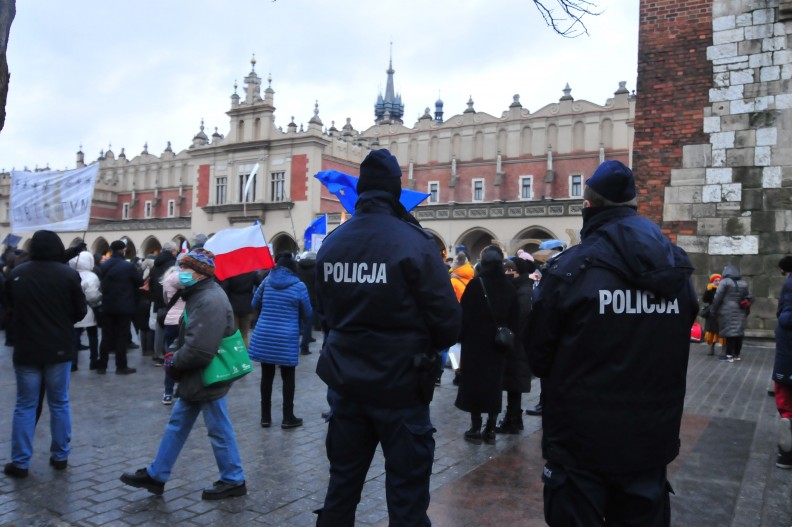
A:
(98, 73)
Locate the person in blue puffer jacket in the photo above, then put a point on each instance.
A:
(283, 302)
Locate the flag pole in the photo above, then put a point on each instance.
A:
(291, 219)
(251, 178)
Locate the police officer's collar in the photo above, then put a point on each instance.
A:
(376, 201)
(596, 217)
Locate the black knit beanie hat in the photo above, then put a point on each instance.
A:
(380, 171)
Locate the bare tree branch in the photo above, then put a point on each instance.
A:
(7, 13)
(569, 23)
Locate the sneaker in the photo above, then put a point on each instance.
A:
(167, 399)
(537, 410)
(783, 459)
(158, 361)
(737, 357)
(221, 490)
(726, 358)
(58, 465)
(140, 479)
(14, 471)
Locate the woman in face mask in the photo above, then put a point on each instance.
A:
(208, 319)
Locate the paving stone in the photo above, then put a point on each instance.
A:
(118, 422)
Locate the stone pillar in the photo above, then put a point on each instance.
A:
(728, 195)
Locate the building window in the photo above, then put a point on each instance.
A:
(434, 192)
(147, 207)
(575, 186)
(125, 211)
(243, 181)
(171, 208)
(478, 189)
(278, 186)
(526, 187)
(221, 185)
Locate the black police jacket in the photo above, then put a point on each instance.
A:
(610, 335)
(387, 306)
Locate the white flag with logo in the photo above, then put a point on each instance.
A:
(54, 200)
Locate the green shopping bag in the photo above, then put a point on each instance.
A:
(230, 363)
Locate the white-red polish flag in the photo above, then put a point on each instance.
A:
(238, 251)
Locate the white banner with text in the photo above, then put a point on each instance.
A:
(54, 200)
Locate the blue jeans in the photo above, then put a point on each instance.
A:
(406, 437)
(55, 378)
(221, 435)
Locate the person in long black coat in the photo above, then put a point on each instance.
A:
(483, 364)
(517, 375)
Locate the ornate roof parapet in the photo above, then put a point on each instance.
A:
(567, 94)
(315, 121)
(200, 139)
(470, 108)
(252, 85)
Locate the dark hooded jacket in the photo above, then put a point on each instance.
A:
(120, 282)
(387, 305)
(782, 370)
(732, 319)
(46, 299)
(610, 335)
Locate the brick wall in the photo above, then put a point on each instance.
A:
(674, 78)
(203, 185)
(299, 178)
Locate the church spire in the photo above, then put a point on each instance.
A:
(389, 107)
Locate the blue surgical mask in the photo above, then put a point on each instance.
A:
(186, 278)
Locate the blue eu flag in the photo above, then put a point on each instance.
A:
(317, 226)
(344, 186)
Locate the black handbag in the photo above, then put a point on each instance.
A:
(504, 337)
(706, 312)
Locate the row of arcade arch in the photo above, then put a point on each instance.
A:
(474, 241)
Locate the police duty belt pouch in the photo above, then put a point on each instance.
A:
(230, 363)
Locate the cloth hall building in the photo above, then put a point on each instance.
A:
(514, 179)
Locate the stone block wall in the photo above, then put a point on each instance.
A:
(729, 195)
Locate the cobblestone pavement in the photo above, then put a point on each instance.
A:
(725, 474)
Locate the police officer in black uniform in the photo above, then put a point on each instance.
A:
(609, 337)
(387, 308)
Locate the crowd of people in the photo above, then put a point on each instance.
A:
(390, 309)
